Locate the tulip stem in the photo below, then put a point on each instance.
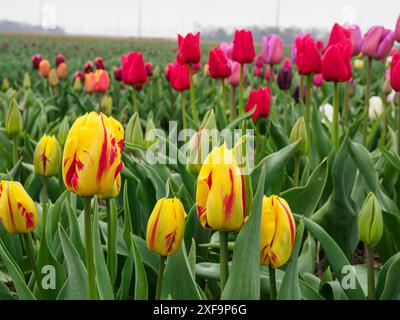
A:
(384, 122)
(371, 275)
(110, 240)
(44, 202)
(192, 95)
(335, 123)
(183, 106)
(89, 249)
(346, 104)
(398, 129)
(223, 94)
(160, 277)
(135, 102)
(272, 282)
(241, 111)
(223, 258)
(366, 102)
(15, 149)
(32, 261)
(308, 121)
(232, 103)
(301, 88)
(296, 170)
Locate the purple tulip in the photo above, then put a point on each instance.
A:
(285, 78)
(397, 30)
(355, 38)
(377, 42)
(272, 50)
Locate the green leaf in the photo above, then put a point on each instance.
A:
(387, 285)
(16, 275)
(112, 260)
(336, 258)
(141, 287)
(244, 278)
(5, 293)
(76, 286)
(290, 286)
(126, 276)
(305, 199)
(102, 277)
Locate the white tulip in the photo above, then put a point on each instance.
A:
(375, 107)
(327, 110)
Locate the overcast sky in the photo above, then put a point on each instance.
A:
(165, 18)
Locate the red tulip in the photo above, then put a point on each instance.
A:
(259, 61)
(118, 74)
(308, 59)
(287, 63)
(179, 77)
(395, 72)
(258, 72)
(243, 47)
(218, 64)
(79, 74)
(196, 66)
(318, 80)
(320, 46)
(59, 59)
(339, 35)
(261, 100)
(133, 69)
(88, 67)
(99, 63)
(269, 74)
(189, 48)
(336, 63)
(149, 69)
(36, 60)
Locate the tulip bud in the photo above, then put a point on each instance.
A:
(62, 70)
(106, 105)
(47, 156)
(77, 85)
(166, 226)
(99, 62)
(36, 60)
(220, 194)
(134, 132)
(277, 232)
(59, 59)
(88, 67)
(17, 210)
(63, 131)
(14, 123)
(149, 136)
(53, 78)
(299, 131)
(5, 84)
(26, 83)
(44, 68)
(386, 87)
(118, 74)
(113, 192)
(359, 64)
(370, 221)
(149, 69)
(375, 107)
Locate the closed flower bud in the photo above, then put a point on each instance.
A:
(36, 60)
(106, 105)
(88, 67)
(77, 87)
(149, 134)
(59, 59)
(359, 64)
(220, 195)
(99, 62)
(62, 70)
(118, 74)
(18, 212)
(134, 132)
(92, 154)
(44, 68)
(243, 47)
(149, 69)
(166, 226)
(5, 85)
(370, 221)
(53, 78)
(299, 131)
(277, 232)
(47, 156)
(189, 48)
(375, 107)
(386, 87)
(14, 123)
(113, 192)
(63, 131)
(285, 78)
(26, 83)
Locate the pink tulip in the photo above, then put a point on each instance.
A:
(258, 72)
(272, 50)
(355, 38)
(287, 63)
(235, 76)
(318, 80)
(377, 43)
(227, 49)
(397, 30)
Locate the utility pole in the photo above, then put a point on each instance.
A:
(278, 9)
(140, 19)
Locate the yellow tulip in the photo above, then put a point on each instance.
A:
(17, 210)
(113, 192)
(166, 226)
(47, 156)
(92, 154)
(220, 195)
(277, 232)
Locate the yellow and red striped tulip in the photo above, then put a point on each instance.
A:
(113, 192)
(47, 156)
(277, 232)
(17, 210)
(92, 154)
(166, 226)
(97, 81)
(220, 195)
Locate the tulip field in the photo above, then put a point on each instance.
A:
(141, 169)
